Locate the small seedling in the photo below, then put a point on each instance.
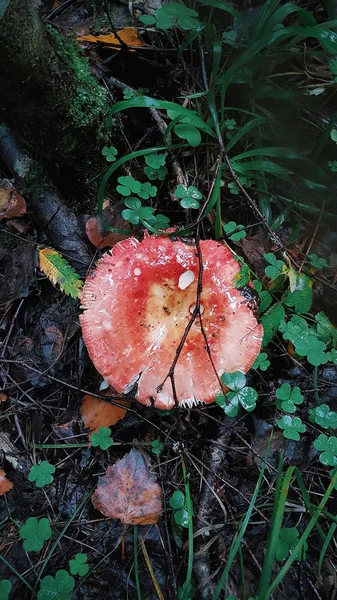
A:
(35, 532)
(188, 196)
(128, 185)
(5, 589)
(233, 188)
(328, 448)
(323, 416)
(110, 153)
(287, 542)
(102, 438)
(239, 394)
(234, 232)
(186, 591)
(317, 262)
(275, 266)
(261, 362)
(78, 565)
(156, 447)
(41, 474)
(56, 588)
(288, 398)
(178, 503)
(292, 427)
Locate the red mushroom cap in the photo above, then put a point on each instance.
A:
(138, 302)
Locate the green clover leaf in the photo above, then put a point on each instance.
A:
(328, 447)
(186, 591)
(174, 13)
(147, 190)
(239, 394)
(156, 447)
(5, 589)
(275, 266)
(242, 277)
(323, 416)
(287, 543)
(160, 222)
(177, 499)
(35, 532)
(78, 565)
(128, 185)
(288, 397)
(332, 164)
(128, 94)
(318, 263)
(110, 153)
(261, 362)
(155, 161)
(230, 124)
(233, 188)
(189, 133)
(188, 196)
(292, 427)
(56, 588)
(178, 503)
(102, 438)
(232, 227)
(154, 174)
(41, 474)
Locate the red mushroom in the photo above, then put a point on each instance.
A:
(137, 305)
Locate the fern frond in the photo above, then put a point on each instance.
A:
(58, 270)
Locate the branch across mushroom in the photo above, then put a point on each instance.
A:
(137, 304)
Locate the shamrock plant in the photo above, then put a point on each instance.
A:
(110, 153)
(35, 532)
(156, 447)
(305, 340)
(288, 398)
(286, 543)
(128, 93)
(261, 362)
(239, 394)
(172, 14)
(42, 474)
(234, 232)
(328, 448)
(78, 565)
(178, 503)
(135, 213)
(155, 167)
(128, 185)
(275, 266)
(323, 416)
(5, 589)
(189, 196)
(317, 262)
(56, 588)
(292, 427)
(102, 438)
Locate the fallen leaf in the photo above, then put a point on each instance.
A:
(5, 484)
(99, 237)
(129, 492)
(97, 413)
(128, 35)
(12, 204)
(58, 270)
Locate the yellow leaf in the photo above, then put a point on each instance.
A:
(128, 35)
(58, 270)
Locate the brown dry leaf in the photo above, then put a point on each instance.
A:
(129, 492)
(97, 413)
(99, 237)
(128, 35)
(5, 484)
(12, 204)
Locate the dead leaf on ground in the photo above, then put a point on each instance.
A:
(12, 204)
(99, 237)
(5, 484)
(97, 413)
(129, 492)
(128, 35)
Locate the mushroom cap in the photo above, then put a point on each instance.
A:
(137, 304)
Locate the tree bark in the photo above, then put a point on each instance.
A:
(48, 94)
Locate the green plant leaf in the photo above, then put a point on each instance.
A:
(35, 532)
(102, 438)
(181, 517)
(41, 474)
(78, 565)
(261, 362)
(292, 427)
(189, 133)
(328, 448)
(271, 321)
(232, 227)
(156, 447)
(316, 261)
(155, 161)
(234, 381)
(323, 416)
(177, 499)
(5, 589)
(288, 398)
(56, 588)
(110, 153)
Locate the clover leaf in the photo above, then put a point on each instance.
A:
(233, 188)
(110, 153)
(156, 447)
(232, 227)
(178, 503)
(128, 94)
(102, 438)
(5, 589)
(292, 427)
(318, 263)
(188, 196)
(304, 340)
(332, 164)
(323, 416)
(41, 474)
(56, 588)
(230, 124)
(242, 277)
(275, 266)
(136, 212)
(128, 185)
(239, 394)
(325, 329)
(78, 565)
(328, 448)
(147, 190)
(287, 542)
(171, 14)
(186, 591)
(261, 362)
(153, 174)
(155, 168)
(288, 397)
(160, 221)
(35, 532)
(188, 132)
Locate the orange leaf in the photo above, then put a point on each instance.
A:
(129, 492)
(128, 35)
(5, 484)
(97, 413)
